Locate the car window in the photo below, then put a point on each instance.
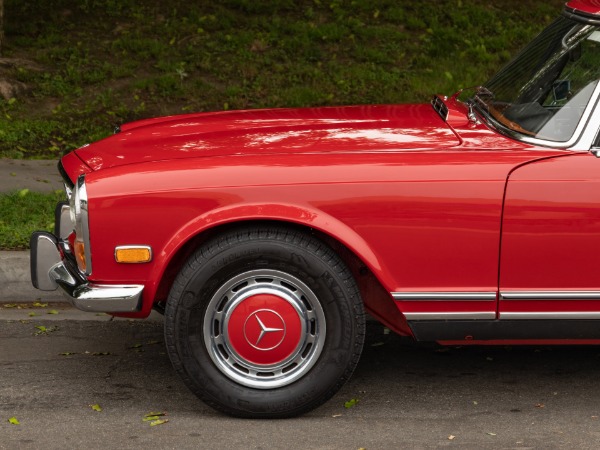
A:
(545, 90)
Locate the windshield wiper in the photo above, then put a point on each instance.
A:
(478, 101)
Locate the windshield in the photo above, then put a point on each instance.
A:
(545, 90)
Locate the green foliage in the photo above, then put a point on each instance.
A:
(24, 212)
(101, 62)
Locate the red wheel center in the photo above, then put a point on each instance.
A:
(264, 329)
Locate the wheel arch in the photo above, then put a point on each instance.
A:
(365, 266)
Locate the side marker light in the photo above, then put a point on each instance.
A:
(133, 254)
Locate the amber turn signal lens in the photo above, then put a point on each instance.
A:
(79, 251)
(133, 255)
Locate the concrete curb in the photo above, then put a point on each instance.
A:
(38, 176)
(15, 280)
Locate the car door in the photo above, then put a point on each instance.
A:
(550, 246)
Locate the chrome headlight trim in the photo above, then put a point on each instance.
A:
(72, 201)
(82, 228)
(68, 191)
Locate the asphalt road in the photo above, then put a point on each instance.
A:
(409, 396)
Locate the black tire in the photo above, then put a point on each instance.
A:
(264, 322)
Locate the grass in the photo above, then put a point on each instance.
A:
(90, 64)
(24, 212)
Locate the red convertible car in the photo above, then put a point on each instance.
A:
(264, 236)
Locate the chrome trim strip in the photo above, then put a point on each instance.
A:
(450, 315)
(59, 272)
(68, 191)
(107, 298)
(82, 204)
(444, 296)
(65, 226)
(582, 315)
(550, 295)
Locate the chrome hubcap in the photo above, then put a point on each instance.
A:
(264, 329)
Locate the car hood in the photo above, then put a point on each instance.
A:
(273, 131)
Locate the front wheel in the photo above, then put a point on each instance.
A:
(264, 322)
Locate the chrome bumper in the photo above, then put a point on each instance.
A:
(52, 266)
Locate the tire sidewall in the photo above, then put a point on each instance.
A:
(307, 263)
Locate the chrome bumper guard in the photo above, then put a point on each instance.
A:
(52, 265)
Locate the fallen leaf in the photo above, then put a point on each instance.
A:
(67, 353)
(539, 405)
(52, 311)
(10, 305)
(153, 342)
(100, 353)
(14, 421)
(40, 305)
(337, 415)
(351, 403)
(136, 346)
(451, 437)
(96, 407)
(23, 192)
(153, 416)
(491, 434)
(31, 314)
(475, 403)
(44, 330)
(158, 422)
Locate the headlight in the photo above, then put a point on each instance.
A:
(79, 214)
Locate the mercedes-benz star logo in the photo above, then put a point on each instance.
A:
(264, 329)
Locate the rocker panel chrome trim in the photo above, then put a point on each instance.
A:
(550, 295)
(444, 296)
(487, 315)
(570, 315)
